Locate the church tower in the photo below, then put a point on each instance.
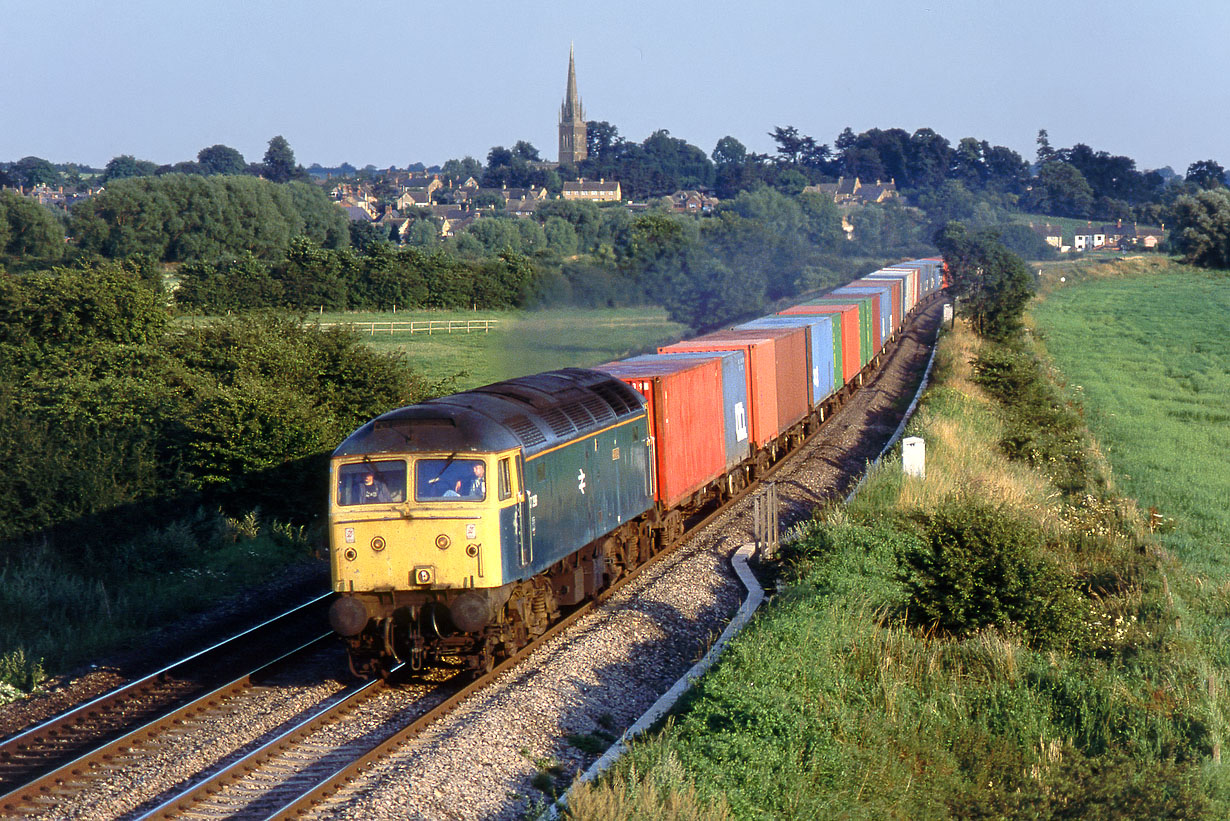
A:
(572, 148)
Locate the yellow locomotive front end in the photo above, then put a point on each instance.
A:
(416, 523)
(422, 502)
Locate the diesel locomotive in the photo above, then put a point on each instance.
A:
(461, 525)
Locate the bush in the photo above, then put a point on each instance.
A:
(1042, 427)
(980, 567)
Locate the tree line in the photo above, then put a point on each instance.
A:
(105, 406)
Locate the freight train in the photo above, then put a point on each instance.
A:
(459, 527)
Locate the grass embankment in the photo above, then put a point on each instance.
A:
(59, 611)
(1158, 392)
(979, 644)
(522, 342)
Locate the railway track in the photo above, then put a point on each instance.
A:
(275, 782)
(43, 762)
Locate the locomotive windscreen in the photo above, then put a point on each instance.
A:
(372, 482)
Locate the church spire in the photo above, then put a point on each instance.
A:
(571, 109)
(572, 147)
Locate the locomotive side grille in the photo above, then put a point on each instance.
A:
(526, 431)
(558, 422)
(600, 410)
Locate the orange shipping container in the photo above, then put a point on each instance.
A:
(686, 418)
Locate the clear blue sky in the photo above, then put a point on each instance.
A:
(370, 81)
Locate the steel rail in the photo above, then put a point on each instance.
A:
(50, 775)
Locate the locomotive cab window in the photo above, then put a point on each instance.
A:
(450, 479)
(505, 479)
(370, 483)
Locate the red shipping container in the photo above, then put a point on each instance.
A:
(849, 334)
(897, 300)
(760, 355)
(787, 380)
(686, 420)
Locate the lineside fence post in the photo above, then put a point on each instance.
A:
(765, 526)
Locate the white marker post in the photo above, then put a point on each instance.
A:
(914, 457)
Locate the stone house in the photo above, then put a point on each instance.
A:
(594, 191)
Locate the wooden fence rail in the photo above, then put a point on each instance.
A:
(429, 326)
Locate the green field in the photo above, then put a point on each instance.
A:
(522, 342)
(1145, 349)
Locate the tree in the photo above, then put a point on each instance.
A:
(461, 170)
(991, 283)
(729, 152)
(127, 165)
(363, 235)
(221, 159)
(1206, 174)
(279, 162)
(1060, 189)
(175, 218)
(929, 157)
(32, 171)
(1201, 228)
(526, 151)
(1045, 152)
(790, 144)
(601, 140)
(27, 229)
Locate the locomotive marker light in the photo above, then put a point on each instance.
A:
(443, 541)
(378, 543)
(914, 457)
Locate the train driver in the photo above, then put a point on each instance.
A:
(475, 488)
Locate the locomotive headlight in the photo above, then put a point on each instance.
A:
(422, 575)
(443, 541)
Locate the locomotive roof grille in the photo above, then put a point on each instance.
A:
(535, 412)
(579, 416)
(560, 424)
(526, 431)
(601, 411)
(615, 398)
